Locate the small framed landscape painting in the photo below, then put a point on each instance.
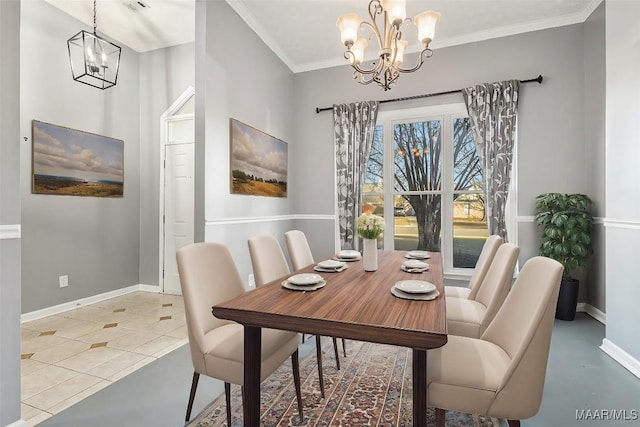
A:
(258, 162)
(76, 163)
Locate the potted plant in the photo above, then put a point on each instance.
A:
(566, 223)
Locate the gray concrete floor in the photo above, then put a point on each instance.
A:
(579, 376)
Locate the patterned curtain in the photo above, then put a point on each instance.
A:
(493, 109)
(353, 134)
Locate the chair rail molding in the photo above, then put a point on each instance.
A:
(10, 231)
(622, 223)
(531, 218)
(253, 219)
(622, 357)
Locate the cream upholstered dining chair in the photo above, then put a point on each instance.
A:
(501, 374)
(482, 266)
(470, 317)
(301, 256)
(208, 276)
(268, 263)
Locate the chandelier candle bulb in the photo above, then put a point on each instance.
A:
(348, 25)
(358, 50)
(396, 11)
(400, 48)
(426, 23)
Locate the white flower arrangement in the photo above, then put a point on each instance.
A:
(370, 226)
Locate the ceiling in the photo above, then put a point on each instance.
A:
(303, 32)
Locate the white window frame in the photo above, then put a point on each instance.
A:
(445, 113)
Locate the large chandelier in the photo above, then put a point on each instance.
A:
(94, 61)
(386, 70)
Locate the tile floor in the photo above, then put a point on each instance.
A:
(69, 356)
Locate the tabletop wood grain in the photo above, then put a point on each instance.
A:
(354, 304)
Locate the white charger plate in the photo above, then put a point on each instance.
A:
(329, 270)
(418, 254)
(415, 286)
(331, 264)
(287, 285)
(414, 263)
(305, 279)
(348, 254)
(413, 270)
(417, 297)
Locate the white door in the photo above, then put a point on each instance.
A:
(178, 209)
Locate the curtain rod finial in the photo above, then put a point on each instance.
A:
(539, 79)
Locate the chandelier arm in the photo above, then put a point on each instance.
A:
(426, 53)
(350, 56)
(374, 29)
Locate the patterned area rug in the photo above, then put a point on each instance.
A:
(373, 388)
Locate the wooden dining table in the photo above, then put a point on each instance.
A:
(354, 304)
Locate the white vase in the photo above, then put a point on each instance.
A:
(370, 254)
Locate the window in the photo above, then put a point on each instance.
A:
(424, 177)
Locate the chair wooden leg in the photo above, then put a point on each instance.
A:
(514, 423)
(296, 381)
(335, 350)
(319, 357)
(344, 347)
(227, 397)
(194, 386)
(440, 413)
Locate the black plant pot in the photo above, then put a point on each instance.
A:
(567, 299)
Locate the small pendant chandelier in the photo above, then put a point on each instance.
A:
(387, 32)
(94, 61)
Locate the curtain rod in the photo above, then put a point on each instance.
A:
(428, 95)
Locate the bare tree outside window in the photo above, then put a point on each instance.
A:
(418, 187)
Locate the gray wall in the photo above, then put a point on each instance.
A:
(93, 240)
(164, 75)
(255, 88)
(594, 137)
(9, 211)
(550, 129)
(622, 179)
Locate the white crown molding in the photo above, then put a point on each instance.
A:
(239, 7)
(511, 30)
(10, 231)
(61, 308)
(508, 30)
(622, 357)
(254, 219)
(597, 314)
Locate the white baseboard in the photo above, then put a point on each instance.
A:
(19, 423)
(61, 308)
(622, 357)
(593, 312)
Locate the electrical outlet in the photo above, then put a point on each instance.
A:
(64, 281)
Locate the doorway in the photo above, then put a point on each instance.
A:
(176, 187)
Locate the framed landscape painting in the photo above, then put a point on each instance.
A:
(258, 162)
(75, 163)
